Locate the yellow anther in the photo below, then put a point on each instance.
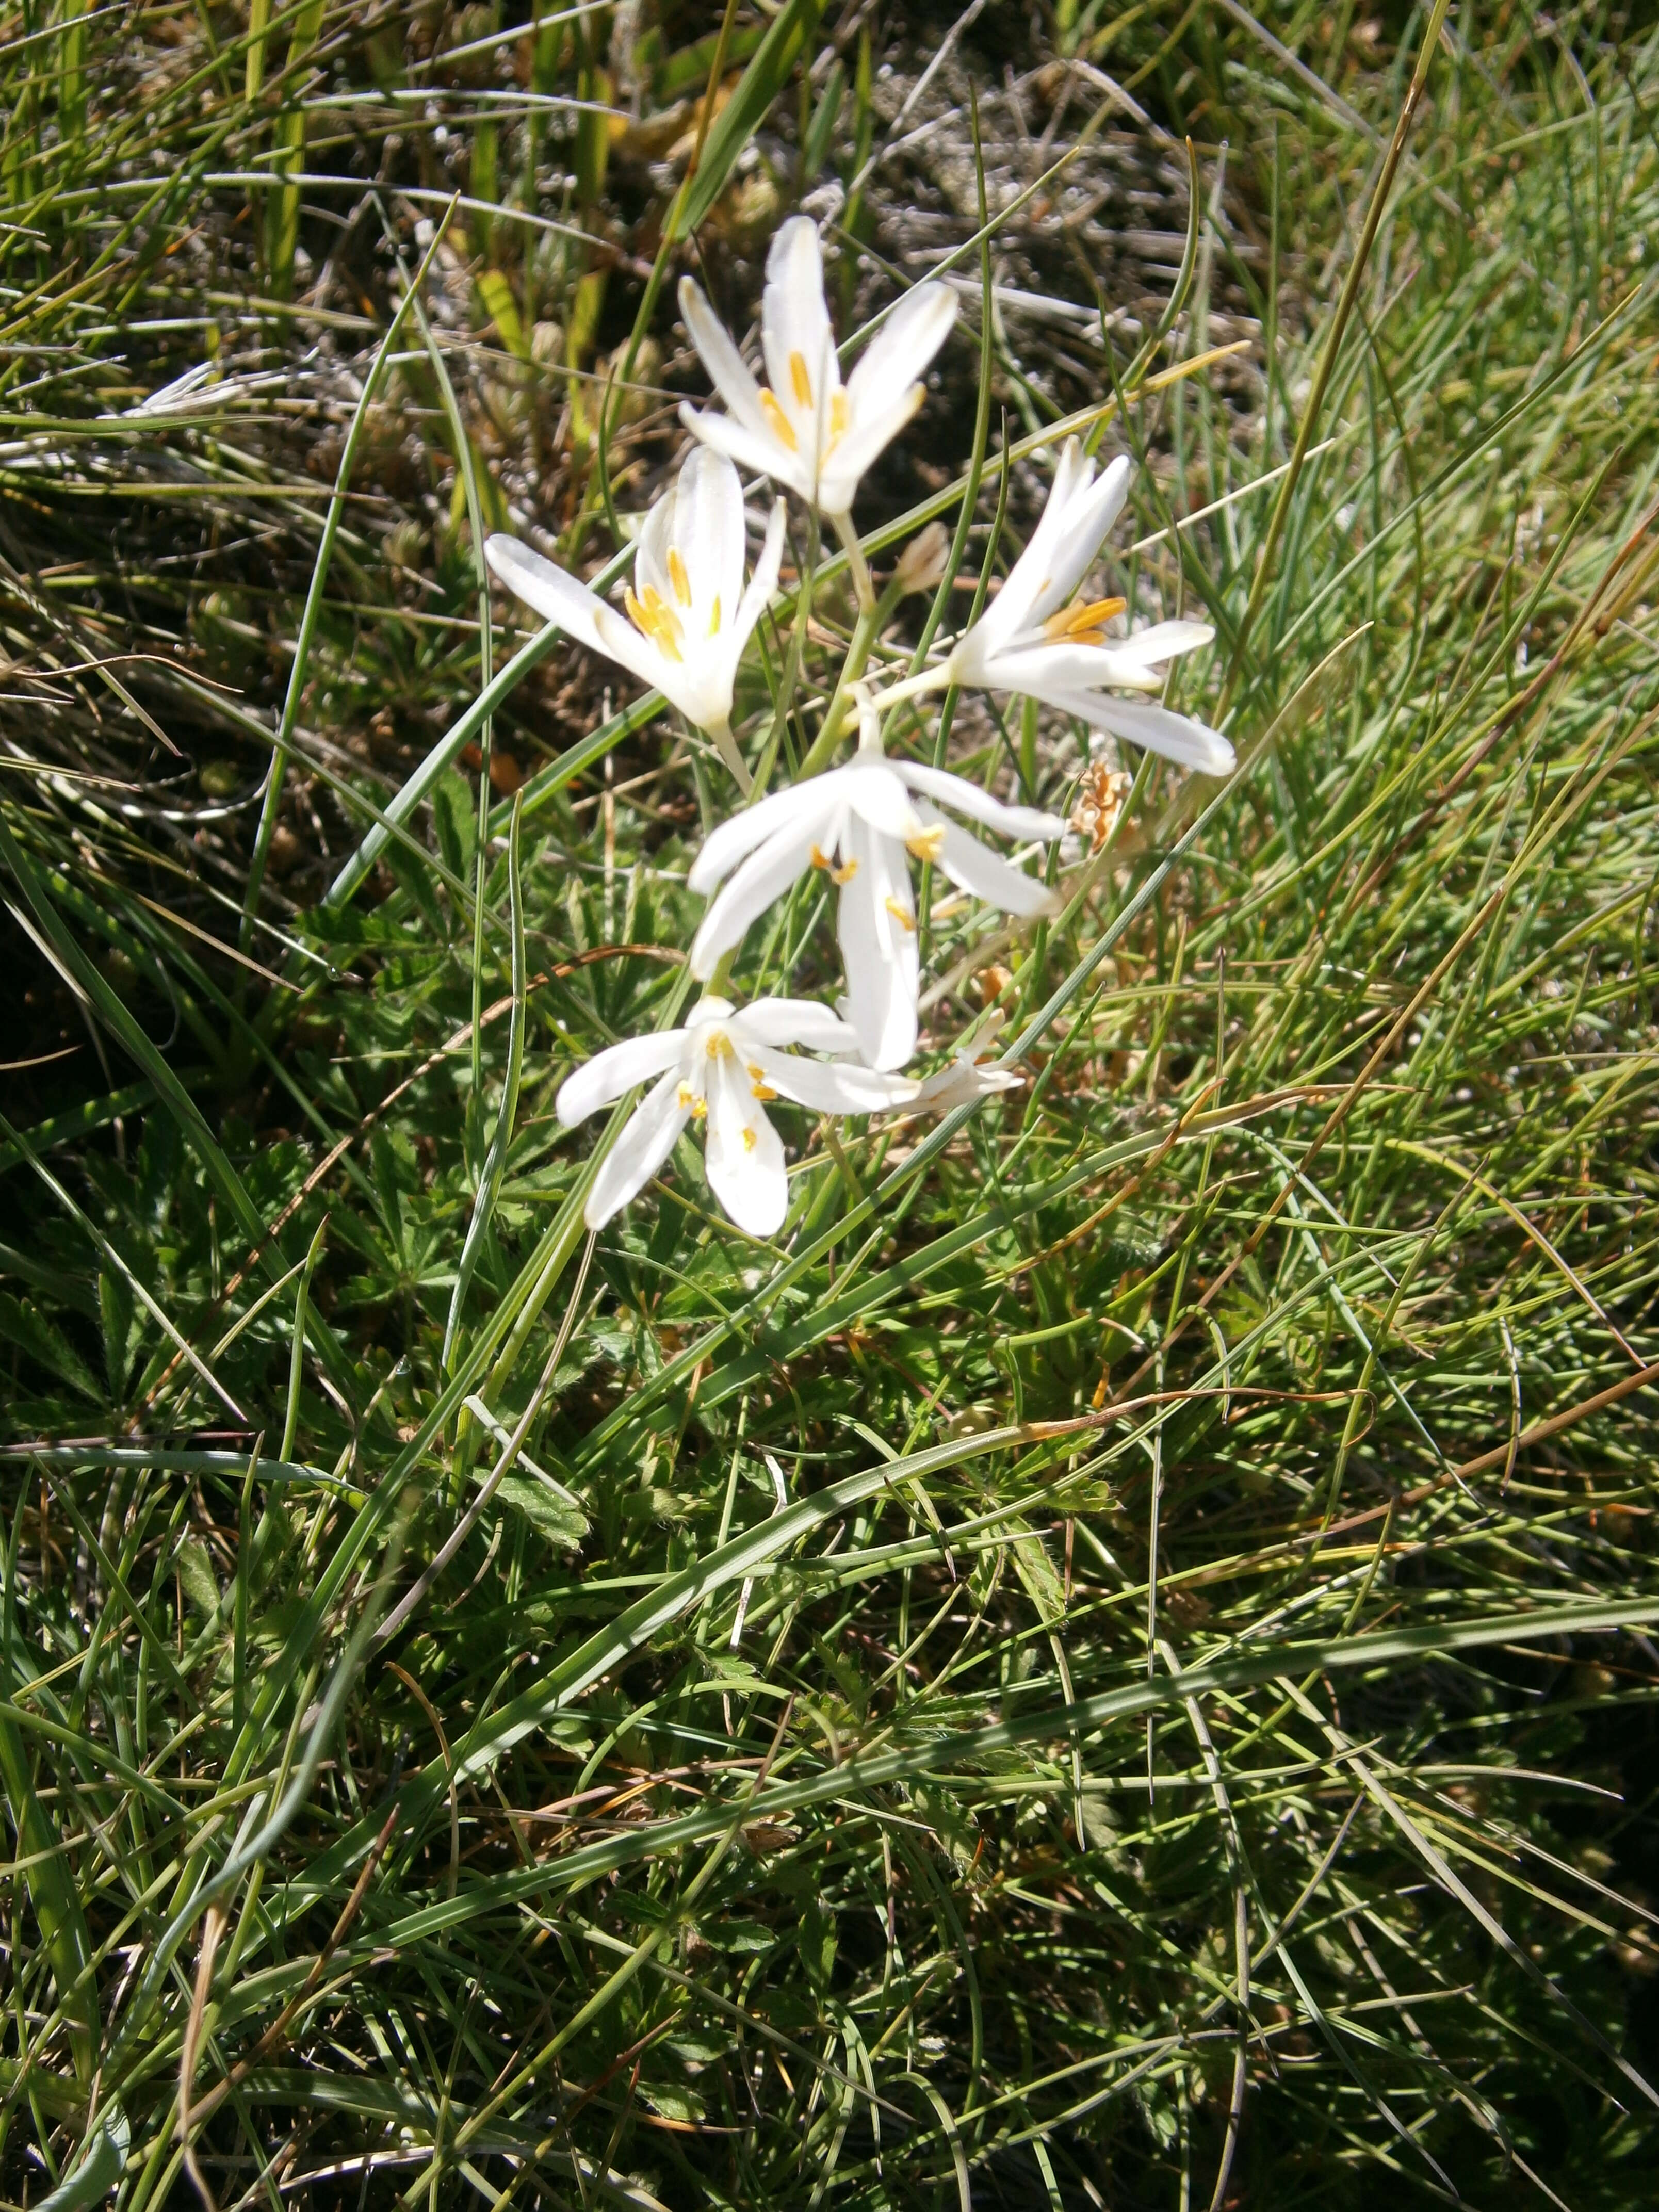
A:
(782, 429)
(686, 1098)
(927, 844)
(763, 1091)
(838, 417)
(678, 577)
(654, 618)
(720, 1046)
(841, 875)
(800, 379)
(1082, 624)
(904, 920)
(700, 1111)
(715, 617)
(750, 1140)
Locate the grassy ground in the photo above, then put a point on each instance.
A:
(1107, 1667)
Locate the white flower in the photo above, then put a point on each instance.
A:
(688, 615)
(723, 1067)
(860, 823)
(808, 430)
(1031, 639)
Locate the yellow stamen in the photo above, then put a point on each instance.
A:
(685, 1097)
(750, 1140)
(779, 423)
(905, 920)
(720, 1046)
(927, 844)
(654, 618)
(841, 875)
(763, 1091)
(715, 617)
(678, 577)
(800, 379)
(700, 1111)
(1082, 624)
(838, 418)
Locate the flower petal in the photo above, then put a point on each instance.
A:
(771, 1022)
(875, 789)
(834, 1087)
(990, 877)
(727, 370)
(1176, 736)
(762, 584)
(879, 954)
(710, 536)
(956, 791)
(866, 436)
(739, 833)
(796, 338)
(1159, 642)
(602, 1080)
(743, 1153)
(903, 348)
(750, 449)
(555, 593)
(1089, 514)
(1031, 576)
(645, 1142)
(764, 876)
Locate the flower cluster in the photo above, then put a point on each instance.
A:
(685, 622)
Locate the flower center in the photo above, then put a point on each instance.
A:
(779, 423)
(1083, 625)
(654, 618)
(719, 1046)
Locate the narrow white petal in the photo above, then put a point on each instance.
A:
(727, 371)
(988, 877)
(879, 954)
(955, 791)
(764, 876)
(1031, 578)
(840, 472)
(762, 584)
(739, 835)
(903, 348)
(555, 593)
(651, 550)
(602, 1080)
(644, 1144)
(1176, 736)
(772, 1022)
(752, 449)
(1089, 515)
(828, 1087)
(710, 536)
(875, 791)
(795, 335)
(1159, 642)
(743, 1153)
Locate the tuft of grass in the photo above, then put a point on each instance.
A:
(1110, 1665)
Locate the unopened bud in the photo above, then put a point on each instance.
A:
(922, 564)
